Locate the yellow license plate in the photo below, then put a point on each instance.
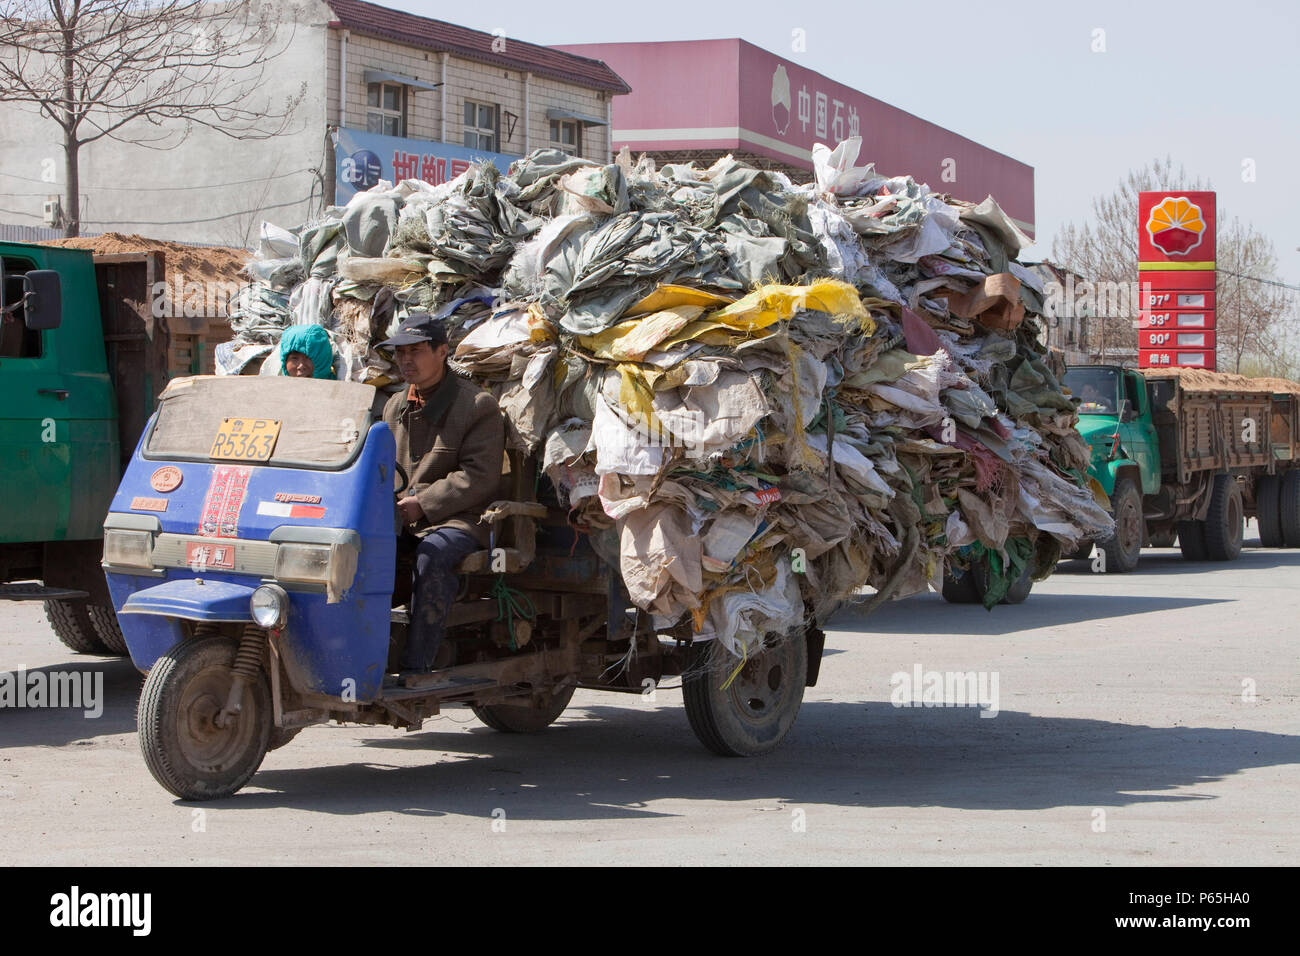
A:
(245, 439)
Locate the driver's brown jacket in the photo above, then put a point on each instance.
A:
(450, 441)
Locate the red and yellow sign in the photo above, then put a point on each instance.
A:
(1176, 230)
(1176, 248)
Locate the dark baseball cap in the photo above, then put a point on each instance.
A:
(416, 328)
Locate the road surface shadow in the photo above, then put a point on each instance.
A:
(608, 762)
(56, 726)
(931, 614)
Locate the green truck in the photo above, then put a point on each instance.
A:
(84, 352)
(1191, 455)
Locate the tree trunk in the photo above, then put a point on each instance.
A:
(72, 192)
(71, 148)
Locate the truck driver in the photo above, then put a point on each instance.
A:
(450, 442)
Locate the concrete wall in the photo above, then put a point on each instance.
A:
(209, 188)
(213, 189)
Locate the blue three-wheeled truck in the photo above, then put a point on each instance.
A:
(251, 553)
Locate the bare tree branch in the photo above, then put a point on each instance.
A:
(116, 68)
(1250, 315)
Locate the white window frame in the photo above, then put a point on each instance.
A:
(398, 114)
(557, 126)
(480, 132)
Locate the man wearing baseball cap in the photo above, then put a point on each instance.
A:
(450, 442)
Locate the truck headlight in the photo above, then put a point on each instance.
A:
(333, 565)
(269, 606)
(128, 549)
(303, 563)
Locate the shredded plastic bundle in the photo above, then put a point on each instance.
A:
(757, 398)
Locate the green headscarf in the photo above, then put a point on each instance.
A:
(312, 341)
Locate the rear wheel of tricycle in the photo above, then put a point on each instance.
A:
(961, 587)
(185, 749)
(1082, 553)
(519, 719)
(751, 715)
(1017, 592)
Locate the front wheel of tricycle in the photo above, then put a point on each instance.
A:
(185, 749)
(756, 708)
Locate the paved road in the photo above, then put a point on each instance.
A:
(1122, 737)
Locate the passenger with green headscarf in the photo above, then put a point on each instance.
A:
(305, 352)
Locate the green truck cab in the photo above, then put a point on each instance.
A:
(1191, 458)
(82, 359)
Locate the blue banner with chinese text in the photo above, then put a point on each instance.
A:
(361, 159)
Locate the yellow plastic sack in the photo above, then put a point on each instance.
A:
(631, 339)
(671, 296)
(769, 304)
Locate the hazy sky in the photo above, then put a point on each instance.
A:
(1211, 84)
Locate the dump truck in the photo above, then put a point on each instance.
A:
(1192, 454)
(88, 341)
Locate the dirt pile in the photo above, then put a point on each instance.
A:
(191, 263)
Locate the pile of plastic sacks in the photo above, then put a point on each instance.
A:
(757, 398)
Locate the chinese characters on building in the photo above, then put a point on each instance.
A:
(830, 115)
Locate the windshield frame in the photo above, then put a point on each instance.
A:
(362, 428)
(1098, 408)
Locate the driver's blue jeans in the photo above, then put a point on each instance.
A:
(434, 592)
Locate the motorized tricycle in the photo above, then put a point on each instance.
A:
(252, 557)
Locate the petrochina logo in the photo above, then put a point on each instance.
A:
(1176, 226)
(781, 99)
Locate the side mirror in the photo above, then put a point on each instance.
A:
(44, 307)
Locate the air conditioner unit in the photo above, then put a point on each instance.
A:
(53, 211)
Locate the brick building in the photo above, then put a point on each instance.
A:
(455, 94)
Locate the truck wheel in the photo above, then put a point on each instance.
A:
(519, 719)
(1191, 540)
(1268, 511)
(104, 619)
(752, 714)
(72, 624)
(183, 747)
(960, 587)
(1290, 508)
(1225, 524)
(1124, 547)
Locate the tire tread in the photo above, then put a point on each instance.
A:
(74, 627)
